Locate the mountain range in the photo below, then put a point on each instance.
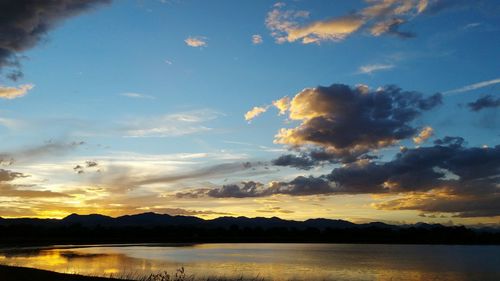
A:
(163, 228)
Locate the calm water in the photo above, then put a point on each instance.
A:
(273, 261)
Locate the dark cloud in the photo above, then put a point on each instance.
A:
(300, 162)
(314, 157)
(346, 123)
(450, 141)
(481, 103)
(246, 189)
(91, 164)
(297, 187)
(6, 175)
(447, 177)
(79, 169)
(303, 186)
(25, 23)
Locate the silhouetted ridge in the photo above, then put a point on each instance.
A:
(93, 219)
(163, 228)
(326, 223)
(154, 219)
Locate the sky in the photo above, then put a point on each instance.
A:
(375, 110)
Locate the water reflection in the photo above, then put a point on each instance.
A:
(272, 261)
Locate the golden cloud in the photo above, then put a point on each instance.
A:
(15, 92)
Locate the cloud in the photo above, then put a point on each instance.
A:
(472, 25)
(119, 178)
(14, 92)
(459, 206)
(300, 162)
(6, 175)
(11, 123)
(136, 95)
(473, 87)
(275, 210)
(50, 148)
(481, 103)
(282, 105)
(390, 26)
(300, 186)
(445, 178)
(246, 189)
(257, 39)
(26, 23)
(11, 191)
(202, 173)
(170, 125)
(425, 134)
(334, 30)
(196, 41)
(369, 69)
(254, 112)
(187, 212)
(379, 17)
(7, 189)
(346, 123)
(90, 164)
(80, 169)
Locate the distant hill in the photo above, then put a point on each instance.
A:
(154, 220)
(163, 228)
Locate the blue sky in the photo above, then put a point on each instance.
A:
(122, 78)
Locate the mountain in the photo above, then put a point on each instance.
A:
(153, 219)
(93, 219)
(163, 228)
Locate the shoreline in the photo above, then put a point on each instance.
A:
(17, 273)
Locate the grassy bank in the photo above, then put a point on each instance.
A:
(15, 273)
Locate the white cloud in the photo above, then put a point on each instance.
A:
(136, 95)
(473, 87)
(11, 123)
(170, 125)
(472, 25)
(13, 92)
(196, 41)
(254, 112)
(257, 39)
(370, 68)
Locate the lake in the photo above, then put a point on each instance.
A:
(272, 261)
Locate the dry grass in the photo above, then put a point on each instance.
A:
(15, 273)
